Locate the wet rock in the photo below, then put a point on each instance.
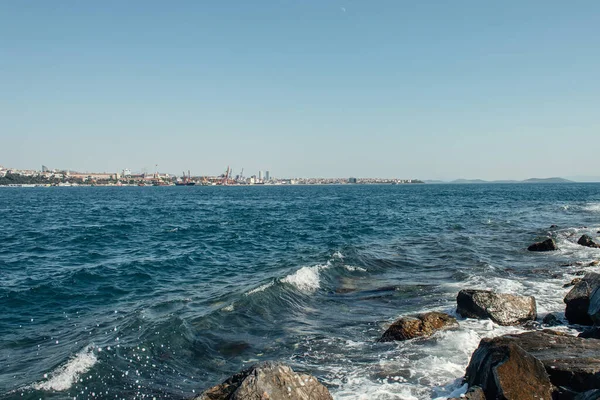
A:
(268, 381)
(551, 320)
(553, 226)
(572, 283)
(505, 371)
(591, 333)
(570, 361)
(546, 245)
(422, 325)
(578, 299)
(594, 308)
(504, 309)
(474, 393)
(587, 241)
(594, 263)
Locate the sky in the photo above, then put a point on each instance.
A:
(313, 88)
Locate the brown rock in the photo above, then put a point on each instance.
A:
(268, 381)
(570, 361)
(572, 283)
(422, 325)
(505, 371)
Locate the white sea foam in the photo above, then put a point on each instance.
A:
(352, 268)
(64, 376)
(337, 255)
(228, 308)
(306, 279)
(260, 288)
(592, 207)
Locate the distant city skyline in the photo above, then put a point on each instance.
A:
(434, 91)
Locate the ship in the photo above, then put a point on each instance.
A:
(186, 180)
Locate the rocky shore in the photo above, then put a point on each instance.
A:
(539, 364)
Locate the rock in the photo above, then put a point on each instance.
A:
(594, 307)
(268, 381)
(553, 226)
(531, 325)
(570, 361)
(587, 241)
(572, 283)
(422, 325)
(591, 333)
(504, 309)
(505, 371)
(546, 245)
(474, 393)
(589, 395)
(578, 299)
(550, 320)
(594, 263)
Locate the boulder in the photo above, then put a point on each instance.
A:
(533, 365)
(422, 325)
(268, 381)
(546, 245)
(505, 371)
(587, 241)
(594, 263)
(550, 320)
(578, 299)
(504, 309)
(570, 361)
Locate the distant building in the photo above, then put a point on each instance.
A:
(351, 180)
(126, 172)
(260, 177)
(45, 169)
(267, 176)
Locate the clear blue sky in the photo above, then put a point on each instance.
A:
(427, 89)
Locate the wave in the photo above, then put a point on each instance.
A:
(591, 207)
(64, 376)
(306, 279)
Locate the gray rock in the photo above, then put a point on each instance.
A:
(587, 241)
(546, 245)
(578, 299)
(505, 371)
(504, 309)
(422, 325)
(268, 381)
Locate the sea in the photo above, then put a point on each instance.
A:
(163, 292)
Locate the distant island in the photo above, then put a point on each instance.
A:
(480, 181)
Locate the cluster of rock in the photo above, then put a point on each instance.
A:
(541, 364)
(550, 245)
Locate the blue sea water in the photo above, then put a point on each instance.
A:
(162, 292)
